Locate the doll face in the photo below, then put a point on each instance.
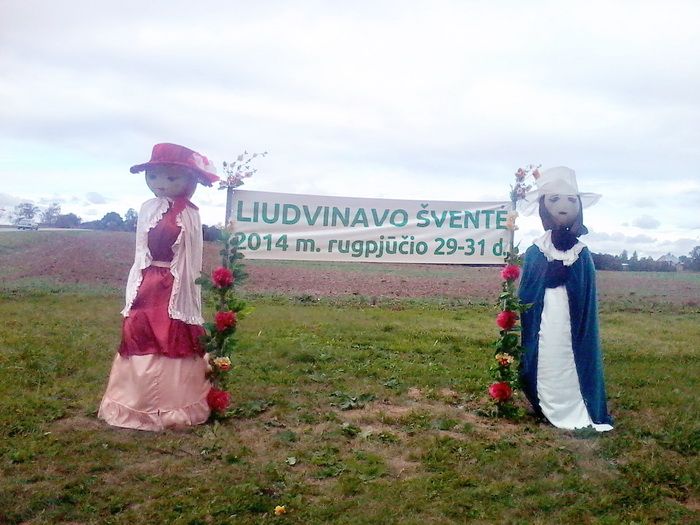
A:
(563, 208)
(170, 181)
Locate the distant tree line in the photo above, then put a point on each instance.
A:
(634, 263)
(112, 221)
(52, 217)
(211, 233)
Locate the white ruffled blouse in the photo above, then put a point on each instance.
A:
(186, 266)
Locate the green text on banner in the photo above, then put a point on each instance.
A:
(322, 228)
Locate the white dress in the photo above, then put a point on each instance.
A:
(558, 387)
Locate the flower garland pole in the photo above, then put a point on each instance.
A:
(220, 339)
(508, 347)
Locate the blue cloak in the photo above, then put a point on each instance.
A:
(583, 309)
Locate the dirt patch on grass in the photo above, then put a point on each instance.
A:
(692, 504)
(397, 418)
(402, 467)
(254, 436)
(78, 423)
(414, 393)
(586, 455)
(449, 395)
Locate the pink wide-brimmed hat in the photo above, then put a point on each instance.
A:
(174, 155)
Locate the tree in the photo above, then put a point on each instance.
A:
(211, 233)
(694, 257)
(605, 261)
(130, 220)
(25, 210)
(50, 214)
(634, 261)
(70, 220)
(112, 221)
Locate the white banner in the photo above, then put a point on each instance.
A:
(321, 228)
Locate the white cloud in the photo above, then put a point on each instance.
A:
(9, 201)
(95, 198)
(646, 222)
(644, 202)
(49, 201)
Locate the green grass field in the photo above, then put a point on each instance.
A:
(344, 413)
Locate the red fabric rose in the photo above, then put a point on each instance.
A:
(222, 277)
(501, 391)
(506, 319)
(510, 272)
(218, 400)
(225, 320)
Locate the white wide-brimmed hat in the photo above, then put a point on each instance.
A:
(560, 180)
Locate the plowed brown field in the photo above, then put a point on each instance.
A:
(104, 258)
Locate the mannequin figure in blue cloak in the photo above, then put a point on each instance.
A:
(562, 368)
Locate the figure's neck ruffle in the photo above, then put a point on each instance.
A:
(551, 253)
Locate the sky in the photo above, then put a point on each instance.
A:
(410, 99)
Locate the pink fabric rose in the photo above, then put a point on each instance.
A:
(506, 319)
(510, 272)
(218, 400)
(225, 320)
(222, 277)
(501, 391)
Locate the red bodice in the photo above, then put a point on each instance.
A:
(149, 329)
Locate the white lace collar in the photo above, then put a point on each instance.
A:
(546, 246)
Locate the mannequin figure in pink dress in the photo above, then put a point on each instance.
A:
(158, 378)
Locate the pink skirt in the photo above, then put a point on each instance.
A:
(155, 392)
